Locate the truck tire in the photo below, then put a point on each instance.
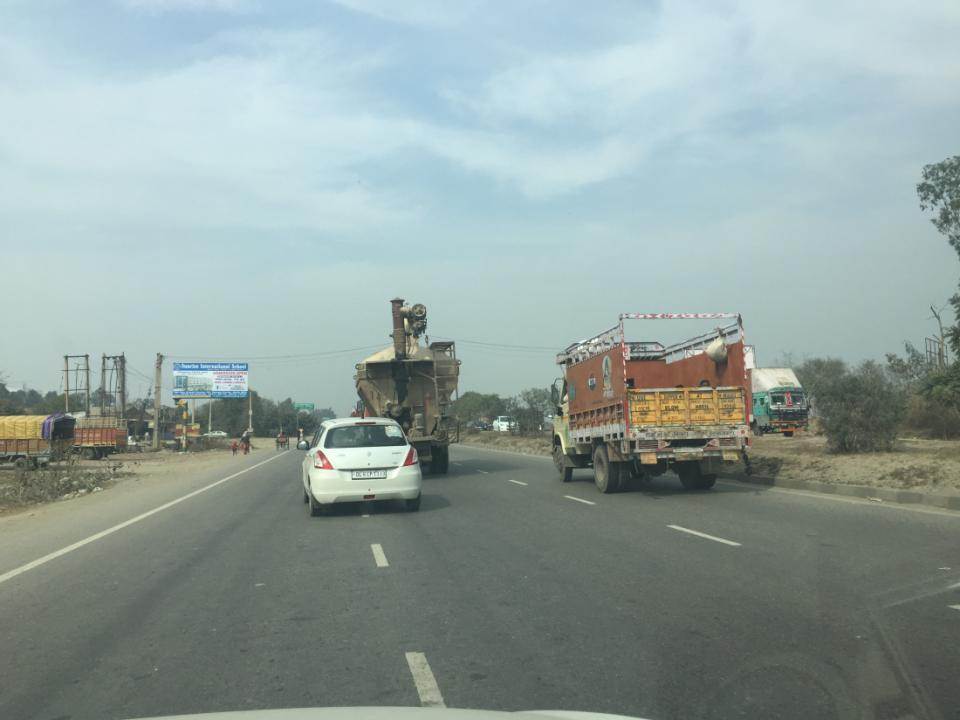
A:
(440, 461)
(89, 453)
(606, 474)
(559, 459)
(788, 433)
(21, 463)
(692, 478)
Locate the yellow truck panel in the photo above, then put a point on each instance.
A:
(686, 406)
(21, 427)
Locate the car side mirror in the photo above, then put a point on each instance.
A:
(303, 445)
(555, 394)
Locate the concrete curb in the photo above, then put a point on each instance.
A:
(866, 492)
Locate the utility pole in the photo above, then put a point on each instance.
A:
(156, 401)
(122, 411)
(66, 382)
(941, 350)
(103, 385)
(210, 415)
(86, 366)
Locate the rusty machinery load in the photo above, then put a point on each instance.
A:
(414, 384)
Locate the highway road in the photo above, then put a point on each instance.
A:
(508, 590)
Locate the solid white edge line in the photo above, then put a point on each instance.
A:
(517, 482)
(580, 500)
(378, 555)
(955, 607)
(704, 535)
(423, 678)
(10, 574)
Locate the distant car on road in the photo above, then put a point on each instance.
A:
(479, 425)
(504, 423)
(358, 459)
(215, 433)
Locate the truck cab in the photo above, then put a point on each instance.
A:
(779, 402)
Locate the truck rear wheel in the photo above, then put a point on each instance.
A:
(606, 474)
(692, 478)
(560, 460)
(440, 460)
(788, 433)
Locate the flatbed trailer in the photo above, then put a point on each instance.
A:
(634, 409)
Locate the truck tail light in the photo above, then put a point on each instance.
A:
(321, 462)
(412, 458)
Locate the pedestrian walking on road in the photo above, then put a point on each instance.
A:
(234, 446)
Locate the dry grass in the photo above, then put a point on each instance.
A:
(529, 444)
(913, 463)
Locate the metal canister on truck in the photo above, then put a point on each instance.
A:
(414, 384)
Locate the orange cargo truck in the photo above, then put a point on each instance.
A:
(97, 437)
(635, 409)
(32, 440)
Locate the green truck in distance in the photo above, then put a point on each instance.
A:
(779, 403)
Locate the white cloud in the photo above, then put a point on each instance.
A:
(165, 6)
(429, 13)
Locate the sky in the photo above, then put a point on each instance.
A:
(240, 179)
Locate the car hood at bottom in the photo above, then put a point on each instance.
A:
(392, 713)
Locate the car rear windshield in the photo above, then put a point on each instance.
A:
(358, 436)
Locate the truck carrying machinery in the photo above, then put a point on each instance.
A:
(637, 409)
(34, 440)
(97, 437)
(779, 403)
(413, 384)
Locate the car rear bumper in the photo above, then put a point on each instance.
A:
(405, 485)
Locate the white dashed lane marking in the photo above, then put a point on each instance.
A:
(517, 482)
(704, 535)
(423, 678)
(378, 555)
(579, 500)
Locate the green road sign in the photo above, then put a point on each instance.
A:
(306, 407)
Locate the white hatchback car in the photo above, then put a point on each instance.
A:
(357, 459)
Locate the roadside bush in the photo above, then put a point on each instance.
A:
(860, 409)
(936, 406)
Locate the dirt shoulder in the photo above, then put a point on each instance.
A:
(22, 489)
(531, 445)
(914, 464)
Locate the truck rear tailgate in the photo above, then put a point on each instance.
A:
(686, 407)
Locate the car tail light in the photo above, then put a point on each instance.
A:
(320, 461)
(412, 458)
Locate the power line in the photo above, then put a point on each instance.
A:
(260, 358)
(502, 346)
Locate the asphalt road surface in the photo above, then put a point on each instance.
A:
(508, 590)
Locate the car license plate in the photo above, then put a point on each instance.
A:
(369, 474)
